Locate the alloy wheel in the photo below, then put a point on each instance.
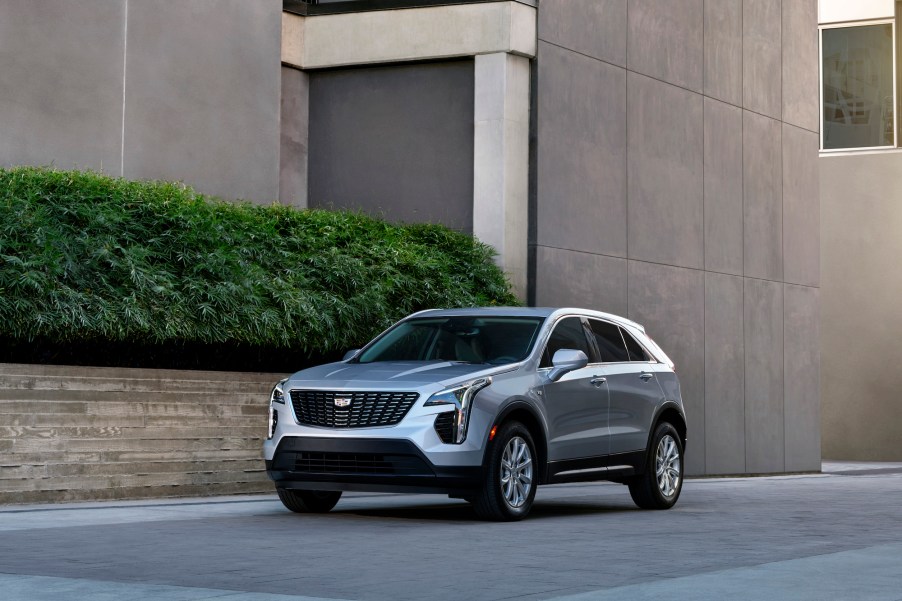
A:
(516, 472)
(667, 466)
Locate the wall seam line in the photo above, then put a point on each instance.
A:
(124, 76)
(704, 398)
(745, 437)
(783, 222)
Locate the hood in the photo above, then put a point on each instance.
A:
(390, 374)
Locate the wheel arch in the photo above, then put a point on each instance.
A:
(671, 413)
(524, 413)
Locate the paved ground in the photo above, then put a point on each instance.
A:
(836, 535)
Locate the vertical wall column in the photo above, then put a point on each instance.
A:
(293, 140)
(501, 160)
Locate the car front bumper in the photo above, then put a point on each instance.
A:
(364, 464)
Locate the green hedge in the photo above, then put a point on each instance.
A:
(89, 258)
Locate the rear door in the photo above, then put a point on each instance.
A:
(577, 404)
(633, 391)
(634, 396)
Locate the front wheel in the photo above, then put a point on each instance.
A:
(309, 501)
(659, 487)
(510, 480)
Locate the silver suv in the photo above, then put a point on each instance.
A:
(483, 405)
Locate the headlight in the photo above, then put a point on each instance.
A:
(278, 395)
(462, 399)
(273, 422)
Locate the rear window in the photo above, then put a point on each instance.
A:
(609, 341)
(637, 353)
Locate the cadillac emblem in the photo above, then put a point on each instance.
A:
(342, 401)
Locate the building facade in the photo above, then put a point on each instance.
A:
(861, 183)
(652, 158)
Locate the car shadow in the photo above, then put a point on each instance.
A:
(463, 512)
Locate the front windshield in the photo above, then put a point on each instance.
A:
(472, 339)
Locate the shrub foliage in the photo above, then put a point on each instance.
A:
(86, 258)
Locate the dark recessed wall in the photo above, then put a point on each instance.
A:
(394, 141)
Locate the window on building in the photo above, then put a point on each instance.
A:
(858, 86)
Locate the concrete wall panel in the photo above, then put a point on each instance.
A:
(761, 52)
(801, 222)
(665, 41)
(764, 421)
(295, 116)
(762, 197)
(568, 278)
(581, 153)
(724, 375)
(665, 182)
(723, 50)
(802, 369)
(861, 218)
(202, 95)
(394, 141)
(669, 302)
(723, 187)
(61, 88)
(800, 52)
(596, 28)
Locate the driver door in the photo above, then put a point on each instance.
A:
(577, 404)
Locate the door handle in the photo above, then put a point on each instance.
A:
(598, 380)
(645, 376)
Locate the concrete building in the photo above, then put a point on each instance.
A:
(861, 184)
(652, 158)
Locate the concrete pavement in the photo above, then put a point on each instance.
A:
(836, 535)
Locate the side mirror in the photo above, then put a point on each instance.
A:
(566, 360)
(350, 354)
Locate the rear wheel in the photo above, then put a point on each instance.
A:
(659, 487)
(510, 479)
(309, 501)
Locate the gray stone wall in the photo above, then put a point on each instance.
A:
(84, 433)
(861, 218)
(676, 183)
(145, 89)
(393, 141)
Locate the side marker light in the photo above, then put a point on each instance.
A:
(493, 432)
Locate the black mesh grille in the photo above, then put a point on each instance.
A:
(358, 463)
(365, 409)
(444, 426)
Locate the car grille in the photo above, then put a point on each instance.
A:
(358, 463)
(366, 408)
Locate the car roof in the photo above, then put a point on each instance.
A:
(526, 312)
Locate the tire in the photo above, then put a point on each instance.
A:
(649, 491)
(309, 501)
(507, 495)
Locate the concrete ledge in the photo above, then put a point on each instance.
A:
(438, 32)
(88, 433)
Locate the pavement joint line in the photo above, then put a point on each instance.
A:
(143, 590)
(164, 503)
(695, 583)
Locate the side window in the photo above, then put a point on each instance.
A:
(637, 353)
(608, 340)
(568, 333)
